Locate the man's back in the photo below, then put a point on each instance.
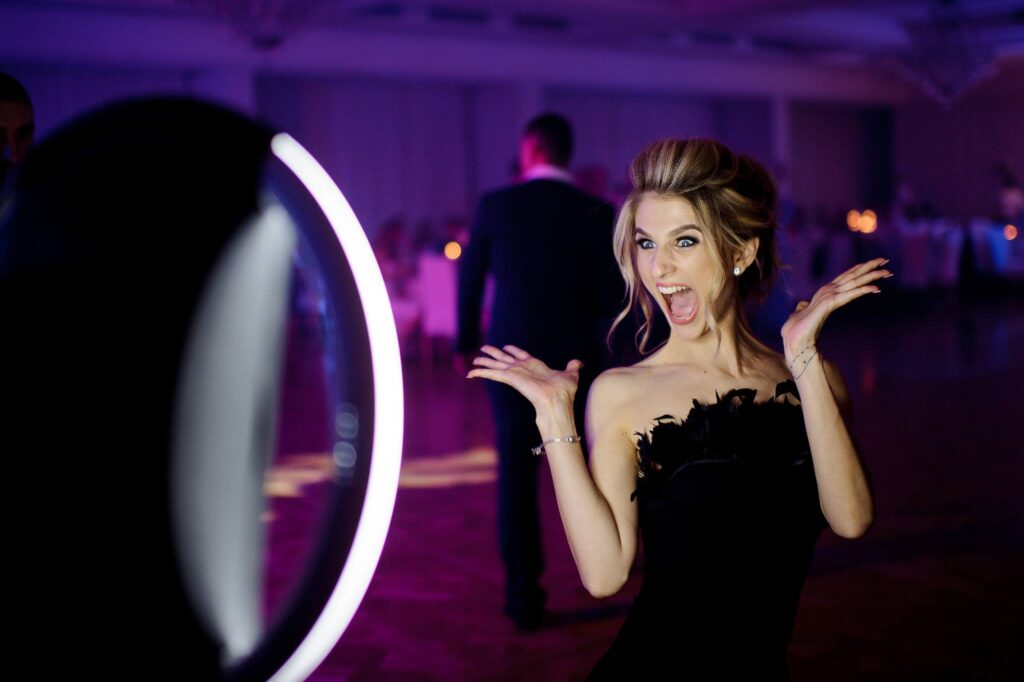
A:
(549, 247)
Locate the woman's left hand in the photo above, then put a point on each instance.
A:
(803, 326)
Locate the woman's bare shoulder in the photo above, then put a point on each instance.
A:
(615, 394)
(623, 382)
(629, 397)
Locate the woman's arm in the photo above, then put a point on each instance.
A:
(600, 520)
(842, 483)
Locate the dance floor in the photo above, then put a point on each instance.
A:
(933, 592)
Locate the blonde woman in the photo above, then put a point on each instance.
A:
(725, 457)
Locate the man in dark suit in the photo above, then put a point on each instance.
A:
(548, 246)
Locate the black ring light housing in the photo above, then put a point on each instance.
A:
(145, 258)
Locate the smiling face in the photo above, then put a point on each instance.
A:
(676, 261)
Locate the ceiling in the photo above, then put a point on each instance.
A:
(851, 27)
(946, 46)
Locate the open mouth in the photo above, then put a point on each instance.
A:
(682, 303)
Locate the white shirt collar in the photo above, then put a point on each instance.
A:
(544, 171)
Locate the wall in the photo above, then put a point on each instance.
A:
(61, 92)
(949, 156)
(396, 149)
(424, 149)
(829, 158)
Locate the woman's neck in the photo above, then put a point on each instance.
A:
(724, 351)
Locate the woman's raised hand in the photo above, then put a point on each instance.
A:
(803, 326)
(543, 386)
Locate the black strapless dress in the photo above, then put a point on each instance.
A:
(729, 516)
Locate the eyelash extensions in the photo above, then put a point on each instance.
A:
(640, 242)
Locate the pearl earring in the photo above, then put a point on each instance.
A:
(736, 271)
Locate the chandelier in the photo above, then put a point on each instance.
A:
(263, 23)
(948, 55)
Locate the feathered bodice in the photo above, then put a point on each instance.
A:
(728, 502)
(733, 429)
(729, 516)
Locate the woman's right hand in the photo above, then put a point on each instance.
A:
(543, 386)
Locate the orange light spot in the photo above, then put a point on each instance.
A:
(452, 250)
(853, 220)
(1010, 232)
(868, 222)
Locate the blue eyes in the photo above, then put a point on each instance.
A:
(684, 242)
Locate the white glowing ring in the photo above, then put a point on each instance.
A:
(386, 452)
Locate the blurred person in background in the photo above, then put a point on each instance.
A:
(548, 246)
(1011, 196)
(17, 125)
(392, 249)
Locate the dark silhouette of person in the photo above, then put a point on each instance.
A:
(17, 123)
(548, 246)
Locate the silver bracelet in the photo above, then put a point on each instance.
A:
(807, 362)
(797, 356)
(539, 450)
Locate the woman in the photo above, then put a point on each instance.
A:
(728, 493)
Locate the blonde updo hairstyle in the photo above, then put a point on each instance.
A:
(734, 199)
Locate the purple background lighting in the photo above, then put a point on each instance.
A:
(414, 108)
